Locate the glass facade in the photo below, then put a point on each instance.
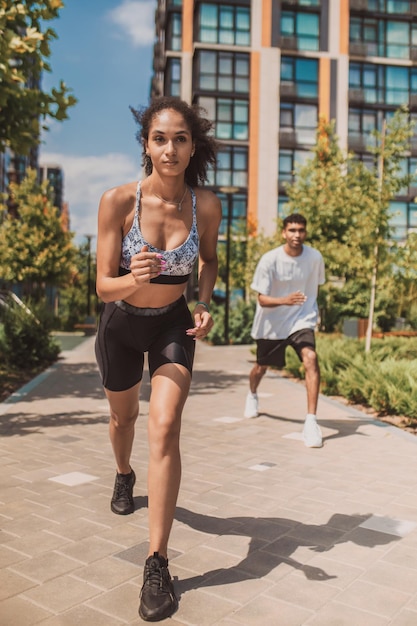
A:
(301, 74)
(232, 167)
(222, 71)
(382, 75)
(224, 24)
(237, 212)
(383, 84)
(288, 161)
(174, 33)
(173, 77)
(384, 38)
(304, 27)
(230, 116)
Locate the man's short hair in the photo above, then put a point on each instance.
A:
(294, 218)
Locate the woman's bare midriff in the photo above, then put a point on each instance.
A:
(155, 295)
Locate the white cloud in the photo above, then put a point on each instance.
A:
(85, 180)
(136, 20)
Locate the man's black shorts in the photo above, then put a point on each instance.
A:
(272, 351)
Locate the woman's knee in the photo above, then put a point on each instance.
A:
(124, 420)
(164, 433)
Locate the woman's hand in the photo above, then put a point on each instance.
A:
(146, 265)
(203, 323)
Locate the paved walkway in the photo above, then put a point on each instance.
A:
(267, 532)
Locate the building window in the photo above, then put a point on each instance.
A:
(231, 168)
(174, 33)
(300, 121)
(299, 77)
(288, 161)
(389, 6)
(385, 84)
(225, 24)
(223, 71)
(230, 115)
(362, 123)
(400, 221)
(383, 38)
(173, 77)
(238, 210)
(304, 27)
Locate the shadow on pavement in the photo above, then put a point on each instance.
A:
(22, 424)
(273, 540)
(69, 379)
(344, 427)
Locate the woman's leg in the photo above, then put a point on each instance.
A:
(124, 410)
(170, 387)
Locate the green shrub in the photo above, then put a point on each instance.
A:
(26, 342)
(384, 379)
(240, 322)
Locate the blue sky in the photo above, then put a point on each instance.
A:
(104, 53)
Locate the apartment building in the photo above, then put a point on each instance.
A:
(265, 70)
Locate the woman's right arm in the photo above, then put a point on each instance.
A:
(115, 205)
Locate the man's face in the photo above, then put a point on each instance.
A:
(294, 235)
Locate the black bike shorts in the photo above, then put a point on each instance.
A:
(272, 351)
(126, 332)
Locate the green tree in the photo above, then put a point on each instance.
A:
(35, 250)
(24, 54)
(347, 205)
(73, 298)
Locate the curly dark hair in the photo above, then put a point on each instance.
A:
(294, 218)
(205, 144)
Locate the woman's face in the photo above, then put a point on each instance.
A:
(169, 144)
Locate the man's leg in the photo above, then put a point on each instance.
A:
(312, 378)
(255, 376)
(311, 431)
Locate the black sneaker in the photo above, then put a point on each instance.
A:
(157, 597)
(122, 500)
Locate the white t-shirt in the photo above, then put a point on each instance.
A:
(277, 275)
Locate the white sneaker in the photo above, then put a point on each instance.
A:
(251, 406)
(311, 433)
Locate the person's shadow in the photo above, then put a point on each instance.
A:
(273, 541)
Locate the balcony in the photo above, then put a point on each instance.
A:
(357, 96)
(358, 5)
(358, 49)
(356, 142)
(157, 87)
(294, 3)
(413, 145)
(288, 90)
(289, 43)
(160, 18)
(287, 138)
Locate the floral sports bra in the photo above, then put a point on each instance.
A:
(179, 261)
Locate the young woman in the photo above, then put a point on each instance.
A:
(150, 234)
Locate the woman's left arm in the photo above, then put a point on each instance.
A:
(208, 217)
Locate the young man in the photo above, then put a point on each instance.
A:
(287, 280)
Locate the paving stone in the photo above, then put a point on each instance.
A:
(319, 537)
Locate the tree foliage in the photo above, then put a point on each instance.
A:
(347, 205)
(34, 247)
(24, 53)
